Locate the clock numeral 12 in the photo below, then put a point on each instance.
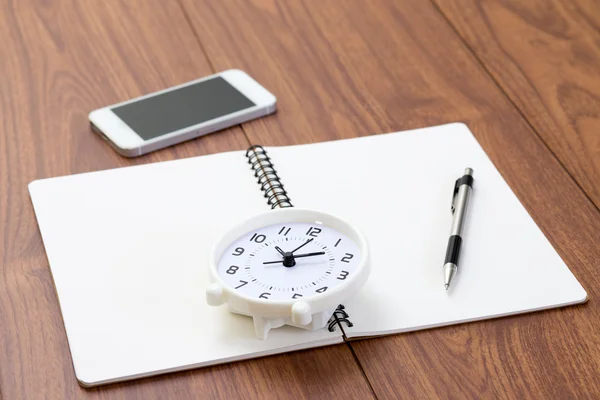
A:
(312, 231)
(347, 258)
(258, 238)
(286, 231)
(243, 283)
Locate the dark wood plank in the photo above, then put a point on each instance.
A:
(351, 70)
(545, 54)
(58, 61)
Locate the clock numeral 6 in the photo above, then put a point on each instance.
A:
(314, 232)
(347, 257)
(343, 275)
(324, 288)
(258, 238)
(232, 270)
(238, 251)
(265, 295)
(243, 283)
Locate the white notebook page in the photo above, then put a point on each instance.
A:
(397, 188)
(128, 249)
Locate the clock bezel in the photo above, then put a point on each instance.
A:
(280, 308)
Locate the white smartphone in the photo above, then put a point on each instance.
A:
(183, 112)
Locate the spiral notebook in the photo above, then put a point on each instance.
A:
(128, 248)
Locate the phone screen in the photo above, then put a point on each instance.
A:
(180, 108)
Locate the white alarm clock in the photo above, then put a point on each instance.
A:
(288, 266)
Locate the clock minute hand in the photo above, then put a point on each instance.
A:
(301, 246)
(318, 253)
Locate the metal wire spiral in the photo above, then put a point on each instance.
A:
(339, 316)
(267, 178)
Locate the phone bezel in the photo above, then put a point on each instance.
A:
(129, 143)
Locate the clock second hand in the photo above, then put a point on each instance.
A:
(318, 253)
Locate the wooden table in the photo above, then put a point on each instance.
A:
(523, 74)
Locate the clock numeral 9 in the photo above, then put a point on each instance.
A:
(243, 283)
(258, 238)
(314, 232)
(232, 270)
(238, 251)
(324, 288)
(265, 295)
(343, 275)
(347, 258)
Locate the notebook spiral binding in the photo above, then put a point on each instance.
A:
(267, 178)
(339, 315)
(277, 197)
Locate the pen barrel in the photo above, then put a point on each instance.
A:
(460, 211)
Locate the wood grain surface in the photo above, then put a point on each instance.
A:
(58, 61)
(545, 54)
(356, 70)
(339, 72)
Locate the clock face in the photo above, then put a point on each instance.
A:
(289, 261)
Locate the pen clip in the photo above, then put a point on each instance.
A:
(454, 194)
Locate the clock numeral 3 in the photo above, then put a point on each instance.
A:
(347, 258)
(258, 238)
(314, 232)
(296, 295)
(243, 283)
(324, 288)
(232, 270)
(238, 251)
(286, 231)
(343, 275)
(265, 295)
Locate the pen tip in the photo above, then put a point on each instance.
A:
(447, 286)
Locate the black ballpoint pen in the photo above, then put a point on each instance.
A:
(460, 199)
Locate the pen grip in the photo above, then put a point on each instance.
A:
(453, 250)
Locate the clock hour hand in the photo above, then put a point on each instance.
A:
(318, 253)
(280, 251)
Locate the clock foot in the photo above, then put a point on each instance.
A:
(215, 295)
(262, 326)
(301, 314)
